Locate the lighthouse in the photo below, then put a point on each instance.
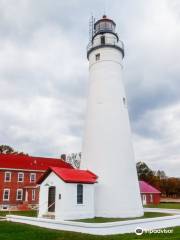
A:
(107, 144)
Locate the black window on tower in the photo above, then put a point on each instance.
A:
(102, 39)
(97, 57)
(79, 194)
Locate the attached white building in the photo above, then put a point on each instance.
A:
(67, 194)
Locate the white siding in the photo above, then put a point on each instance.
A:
(67, 208)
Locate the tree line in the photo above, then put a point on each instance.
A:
(5, 149)
(168, 186)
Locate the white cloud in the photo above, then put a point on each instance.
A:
(41, 126)
(161, 152)
(39, 105)
(44, 72)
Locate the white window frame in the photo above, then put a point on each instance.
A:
(6, 189)
(33, 194)
(32, 174)
(144, 199)
(19, 173)
(151, 198)
(5, 174)
(17, 191)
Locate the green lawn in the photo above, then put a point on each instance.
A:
(102, 220)
(31, 213)
(16, 231)
(165, 205)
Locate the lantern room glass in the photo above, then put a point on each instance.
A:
(105, 25)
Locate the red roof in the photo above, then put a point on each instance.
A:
(30, 163)
(71, 175)
(147, 188)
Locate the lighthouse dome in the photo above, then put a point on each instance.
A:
(104, 25)
(104, 35)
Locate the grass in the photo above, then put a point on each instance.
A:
(30, 213)
(103, 220)
(16, 231)
(165, 205)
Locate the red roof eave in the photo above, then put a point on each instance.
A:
(71, 175)
(28, 163)
(147, 188)
(80, 181)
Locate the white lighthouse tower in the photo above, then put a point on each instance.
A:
(107, 146)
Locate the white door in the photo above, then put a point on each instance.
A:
(144, 199)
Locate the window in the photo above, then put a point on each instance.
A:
(4, 207)
(33, 194)
(20, 177)
(103, 40)
(151, 198)
(19, 194)
(79, 194)
(6, 194)
(32, 177)
(7, 177)
(98, 57)
(144, 199)
(124, 101)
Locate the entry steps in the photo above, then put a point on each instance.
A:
(48, 216)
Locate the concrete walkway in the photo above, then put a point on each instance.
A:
(104, 228)
(2, 218)
(163, 210)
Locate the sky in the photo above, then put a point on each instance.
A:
(44, 75)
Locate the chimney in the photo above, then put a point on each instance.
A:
(63, 157)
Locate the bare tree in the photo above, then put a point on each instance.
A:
(5, 149)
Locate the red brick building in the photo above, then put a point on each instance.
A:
(19, 174)
(18, 177)
(149, 194)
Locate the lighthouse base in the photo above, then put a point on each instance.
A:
(118, 199)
